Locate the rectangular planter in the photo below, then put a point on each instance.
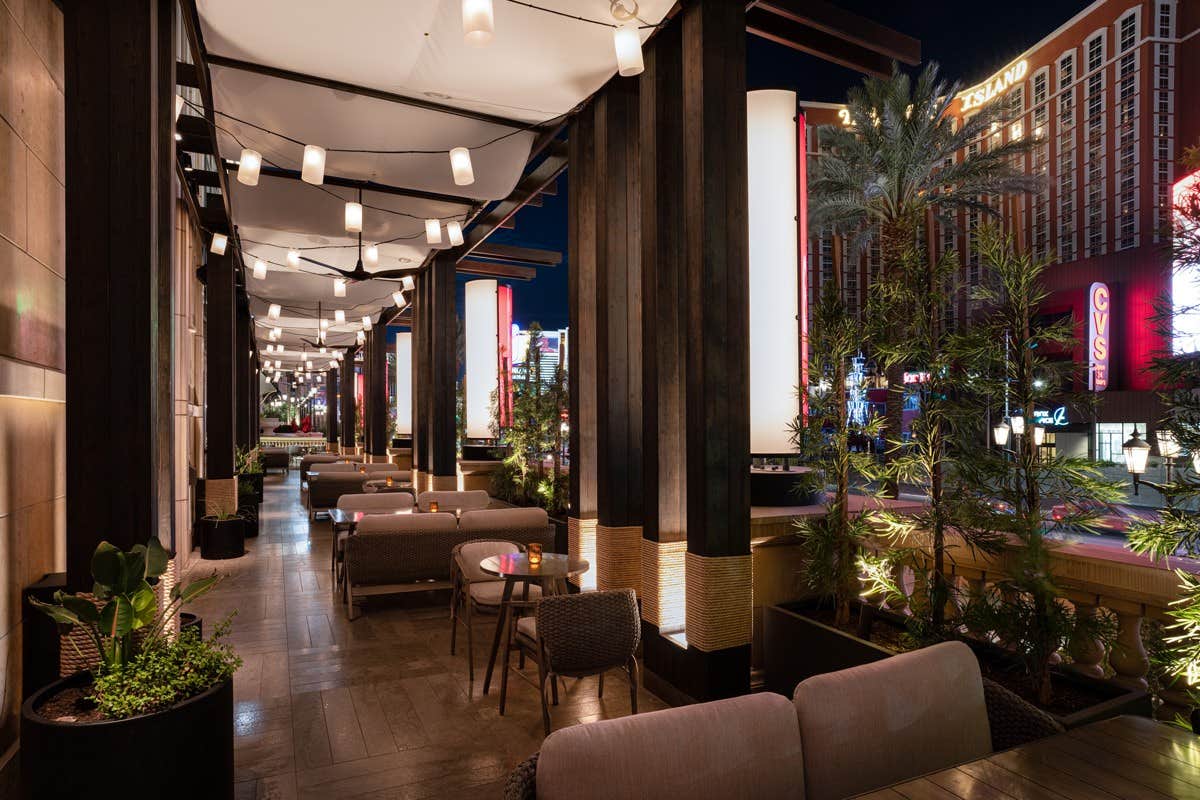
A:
(796, 647)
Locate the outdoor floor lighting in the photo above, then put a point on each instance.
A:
(1136, 453)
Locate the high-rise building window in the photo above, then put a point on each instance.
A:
(1066, 158)
(1094, 149)
(1164, 97)
(1127, 134)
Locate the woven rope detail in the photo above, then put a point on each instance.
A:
(619, 557)
(220, 496)
(581, 544)
(664, 586)
(719, 601)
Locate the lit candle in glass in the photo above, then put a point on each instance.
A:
(535, 554)
(362, 470)
(433, 506)
(389, 481)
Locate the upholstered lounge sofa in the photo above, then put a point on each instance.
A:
(275, 458)
(844, 733)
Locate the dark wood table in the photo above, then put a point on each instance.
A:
(1124, 757)
(551, 575)
(373, 485)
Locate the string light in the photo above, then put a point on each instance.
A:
(179, 104)
(454, 231)
(339, 317)
(260, 269)
(460, 165)
(354, 217)
(628, 45)
(333, 364)
(273, 312)
(324, 324)
(308, 365)
(479, 22)
(339, 287)
(322, 351)
(366, 322)
(408, 283)
(219, 242)
(312, 168)
(362, 337)
(398, 299)
(293, 259)
(433, 231)
(371, 256)
(278, 332)
(249, 165)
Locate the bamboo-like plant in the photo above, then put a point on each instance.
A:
(1005, 349)
(123, 602)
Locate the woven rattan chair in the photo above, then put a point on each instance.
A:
(475, 591)
(576, 635)
(1013, 721)
(379, 503)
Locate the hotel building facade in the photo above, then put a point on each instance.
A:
(1107, 93)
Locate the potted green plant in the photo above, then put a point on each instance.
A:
(249, 469)
(165, 696)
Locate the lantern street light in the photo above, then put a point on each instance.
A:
(1168, 448)
(1136, 453)
(1000, 434)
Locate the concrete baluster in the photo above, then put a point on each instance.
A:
(1128, 656)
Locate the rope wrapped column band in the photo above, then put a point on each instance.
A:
(581, 544)
(664, 584)
(619, 557)
(719, 601)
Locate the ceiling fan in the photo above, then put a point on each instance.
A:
(359, 273)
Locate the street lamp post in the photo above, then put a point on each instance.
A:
(1136, 454)
(1168, 448)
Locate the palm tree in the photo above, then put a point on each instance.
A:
(902, 159)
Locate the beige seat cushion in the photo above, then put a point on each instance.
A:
(450, 501)
(527, 626)
(744, 748)
(379, 501)
(489, 593)
(505, 519)
(316, 469)
(389, 468)
(471, 553)
(891, 720)
(406, 523)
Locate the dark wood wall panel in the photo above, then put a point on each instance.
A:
(377, 398)
(443, 373)
(581, 293)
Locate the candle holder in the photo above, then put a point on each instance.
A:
(433, 506)
(535, 554)
(362, 470)
(389, 481)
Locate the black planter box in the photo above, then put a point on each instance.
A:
(255, 481)
(185, 752)
(249, 515)
(222, 538)
(796, 647)
(484, 452)
(779, 488)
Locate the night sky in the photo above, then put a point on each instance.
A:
(969, 41)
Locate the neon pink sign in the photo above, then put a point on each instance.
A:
(1099, 335)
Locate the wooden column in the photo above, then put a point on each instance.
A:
(418, 373)
(331, 409)
(717, 442)
(377, 398)
(618, 335)
(581, 293)
(442, 347)
(664, 347)
(220, 332)
(242, 371)
(119, 70)
(346, 410)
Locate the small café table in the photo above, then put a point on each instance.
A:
(1125, 756)
(380, 485)
(551, 575)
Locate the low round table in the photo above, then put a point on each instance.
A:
(515, 568)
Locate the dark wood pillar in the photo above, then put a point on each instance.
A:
(664, 413)
(377, 392)
(717, 442)
(618, 336)
(119, 69)
(220, 333)
(243, 356)
(346, 410)
(581, 294)
(331, 409)
(419, 434)
(442, 324)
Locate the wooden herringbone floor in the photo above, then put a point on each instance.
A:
(377, 708)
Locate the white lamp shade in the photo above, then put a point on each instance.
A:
(371, 256)
(774, 274)
(260, 269)
(398, 299)
(1137, 453)
(482, 367)
(322, 351)
(366, 322)
(293, 259)
(628, 45)
(273, 312)
(454, 231)
(1018, 425)
(313, 168)
(479, 23)
(179, 103)
(408, 283)
(362, 337)
(324, 324)
(460, 165)
(249, 165)
(333, 364)
(354, 217)
(1000, 434)
(219, 242)
(433, 231)
(404, 378)
(339, 287)
(1168, 445)
(308, 365)
(339, 316)
(1039, 435)
(277, 331)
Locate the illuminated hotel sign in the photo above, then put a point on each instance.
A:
(1051, 418)
(1099, 335)
(997, 85)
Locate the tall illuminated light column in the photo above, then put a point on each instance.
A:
(775, 275)
(404, 374)
(482, 378)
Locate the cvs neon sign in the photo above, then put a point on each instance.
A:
(1099, 335)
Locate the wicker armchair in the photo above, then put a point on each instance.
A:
(577, 635)
(379, 503)
(475, 591)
